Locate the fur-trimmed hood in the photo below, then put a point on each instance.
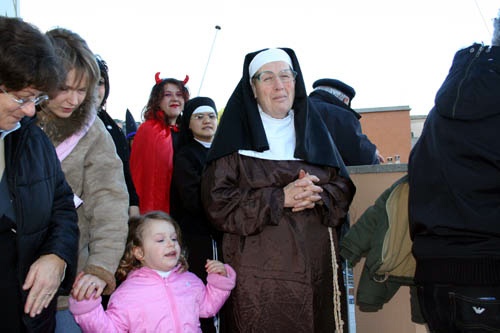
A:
(59, 129)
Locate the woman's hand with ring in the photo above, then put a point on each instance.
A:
(42, 281)
(85, 285)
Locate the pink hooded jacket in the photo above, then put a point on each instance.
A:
(145, 302)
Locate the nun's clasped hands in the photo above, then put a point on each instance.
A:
(302, 193)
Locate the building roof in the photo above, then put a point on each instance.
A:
(418, 116)
(384, 109)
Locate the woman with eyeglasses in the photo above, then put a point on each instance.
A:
(276, 186)
(92, 168)
(152, 155)
(38, 222)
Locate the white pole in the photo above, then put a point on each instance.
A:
(217, 28)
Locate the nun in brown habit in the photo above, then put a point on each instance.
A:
(276, 186)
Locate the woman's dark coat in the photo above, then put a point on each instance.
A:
(46, 220)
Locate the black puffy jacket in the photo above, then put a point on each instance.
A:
(454, 176)
(45, 214)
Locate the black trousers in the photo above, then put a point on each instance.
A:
(11, 309)
(451, 308)
(12, 317)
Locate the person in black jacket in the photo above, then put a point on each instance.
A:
(332, 99)
(121, 143)
(454, 200)
(38, 227)
(198, 126)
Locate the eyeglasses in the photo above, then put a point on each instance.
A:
(25, 101)
(268, 78)
(201, 116)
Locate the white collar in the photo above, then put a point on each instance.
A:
(162, 273)
(280, 134)
(203, 143)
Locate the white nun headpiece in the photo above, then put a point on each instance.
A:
(267, 56)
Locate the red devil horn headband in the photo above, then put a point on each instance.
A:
(158, 80)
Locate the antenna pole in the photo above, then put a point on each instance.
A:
(217, 28)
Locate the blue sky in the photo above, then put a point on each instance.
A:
(392, 52)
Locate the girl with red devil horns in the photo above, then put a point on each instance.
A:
(151, 160)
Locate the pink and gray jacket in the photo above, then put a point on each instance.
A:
(146, 302)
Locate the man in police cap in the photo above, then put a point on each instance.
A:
(332, 98)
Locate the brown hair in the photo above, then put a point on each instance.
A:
(137, 224)
(27, 57)
(156, 96)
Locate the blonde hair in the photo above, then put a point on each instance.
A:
(137, 225)
(74, 53)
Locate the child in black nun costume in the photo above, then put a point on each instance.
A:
(197, 129)
(277, 188)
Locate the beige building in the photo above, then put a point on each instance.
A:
(417, 125)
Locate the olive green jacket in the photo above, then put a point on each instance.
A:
(381, 235)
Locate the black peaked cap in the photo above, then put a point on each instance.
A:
(336, 84)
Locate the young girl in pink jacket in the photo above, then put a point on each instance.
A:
(158, 295)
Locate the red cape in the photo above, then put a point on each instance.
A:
(151, 165)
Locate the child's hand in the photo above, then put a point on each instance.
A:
(216, 267)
